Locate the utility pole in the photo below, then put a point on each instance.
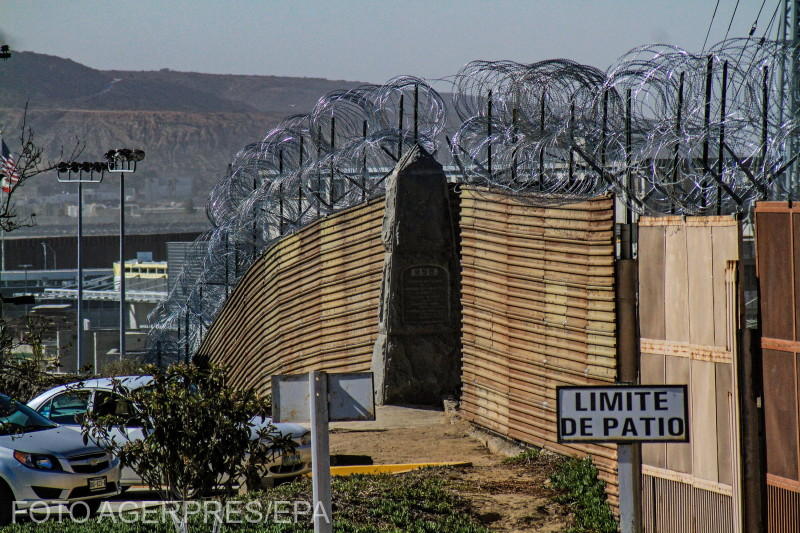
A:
(790, 36)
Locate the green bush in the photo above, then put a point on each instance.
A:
(584, 493)
(198, 431)
(23, 379)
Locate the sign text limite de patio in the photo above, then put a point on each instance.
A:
(623, 413)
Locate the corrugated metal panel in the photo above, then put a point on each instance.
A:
(783, 510)
(538, 312)
(687, 309)
(672, 506)
(777, 243)
(310, 302)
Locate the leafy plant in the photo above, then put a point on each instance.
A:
(416, 502)
(585, 494)
(199, 433)
(130, 366)
(23, 378)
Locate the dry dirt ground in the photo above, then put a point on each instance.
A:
(508, 498)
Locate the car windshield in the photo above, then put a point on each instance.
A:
(16, 417)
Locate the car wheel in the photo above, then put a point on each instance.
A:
(85, 509)
(6, 504)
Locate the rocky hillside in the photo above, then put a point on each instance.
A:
(189, 124)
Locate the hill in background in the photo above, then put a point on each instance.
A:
(189, 124)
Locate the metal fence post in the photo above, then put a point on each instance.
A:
(629, 456)
(320, 452)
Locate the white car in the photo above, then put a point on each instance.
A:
(42, 462)
(67, 404)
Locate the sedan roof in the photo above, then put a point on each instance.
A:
(132, 382)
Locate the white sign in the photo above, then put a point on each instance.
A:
(351, 397)
(623, 413)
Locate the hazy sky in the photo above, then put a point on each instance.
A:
(358, 39)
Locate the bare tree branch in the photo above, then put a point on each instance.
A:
(30, 162)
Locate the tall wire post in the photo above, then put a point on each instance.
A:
(571, 134)
(628, 150)
(706, 122)
(319, 170)
(541, 136)
(720, 153)
(333, 148)
(300, 186)
(400, 130)
(514, 133)
(280, 193)
(255, 234)
(678, 126)
(364, 164)
(416, 113)
(764, 119)
(794, 89)
(604, 132)
(489, 134)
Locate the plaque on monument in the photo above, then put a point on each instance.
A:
(425, 295)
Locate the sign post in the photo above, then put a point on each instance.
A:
(627, 415)
(319, 398)
(320, 452)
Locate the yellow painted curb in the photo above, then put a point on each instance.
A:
(388, 469)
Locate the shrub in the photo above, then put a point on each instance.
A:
(199, 432)
(585, 494)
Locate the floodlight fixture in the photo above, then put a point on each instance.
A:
(123, 159)
(80, 172)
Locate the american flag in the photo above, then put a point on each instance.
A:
(8, 168)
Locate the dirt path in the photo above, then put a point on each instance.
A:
(508, 498)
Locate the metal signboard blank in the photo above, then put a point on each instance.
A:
(623, 413)
(351, 397)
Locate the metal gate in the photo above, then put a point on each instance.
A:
(778, 267)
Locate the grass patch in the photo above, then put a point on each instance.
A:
(417, 502)
(578, 489)
(524, 458)
(584, 493)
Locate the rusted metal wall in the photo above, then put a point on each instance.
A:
(538, 312)
(309, 303)
(676, 506)
(687, 307)
(777, 246)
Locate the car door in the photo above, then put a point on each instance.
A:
(67, 408)
(104, 403)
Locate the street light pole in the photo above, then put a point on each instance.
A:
(86, 172)
(79, 339)
(121, 266)
(121, 162)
